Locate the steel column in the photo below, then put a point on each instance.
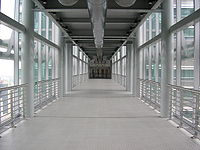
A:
(68, 65)
(128, 67)
(60, 62)
(132, 68)
(167, 20)
(28, 56)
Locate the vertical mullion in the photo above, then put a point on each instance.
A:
(178, 46)
(47, 49)
(16, 46)
(196, 50)
(150, 48)
(157, 49)
(39, 48)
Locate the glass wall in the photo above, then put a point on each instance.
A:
(183, 8)
(119, 66)
(150, 28)
(44, 59)
(152, 62)
(11, 8)
(80, 66)
(185, 46)
(45, 27)
(9, 46)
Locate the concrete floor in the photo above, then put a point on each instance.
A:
(98, 115)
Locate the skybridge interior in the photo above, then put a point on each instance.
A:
(100, 74)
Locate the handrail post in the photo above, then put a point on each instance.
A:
(145, 91)
(0, 111)
(156, 95)
(170, 102)
(181, 109)
(40, 94)
(54, 87)
(150, 91)
(142, 89)
(24, 102)
(196, 116)
(11, 108)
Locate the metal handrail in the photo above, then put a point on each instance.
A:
(45, 92)
(78, 79)
(50, 80)
(12, 105)
(183, 88)
(184, 107)
(12, 87)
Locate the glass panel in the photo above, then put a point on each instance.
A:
(147, 30)
(36, 44)
(75, 51)
(81, 55)
(75, 64)
(182, 9)
(119, 67)
(81, 67)
(36, 22)
(159, 61)
(49, 63)
(187, 7)
(153, 61)
(146, 51)
(43, 51)
(151, 27)
(187, 57)
(118, 55)
(7, 7)
(7, 49)
(123, 51)
(174, 60)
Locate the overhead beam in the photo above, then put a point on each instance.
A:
(106, 52)
(91, 48)
(108, 20)
(105, 39)
(88, 32)
(109, 9)
(107, 43)
(85, 36)
(86, 45)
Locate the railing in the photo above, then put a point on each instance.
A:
(78, 79)
(184, 106)
(45, 92)
(150, 92)
(75, 80)
(121, 79)
(83, 77)
(11, 105)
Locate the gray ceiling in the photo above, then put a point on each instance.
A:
(120, 22)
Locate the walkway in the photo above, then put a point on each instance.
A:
(99, 115)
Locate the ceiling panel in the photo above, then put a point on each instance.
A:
(120, 22)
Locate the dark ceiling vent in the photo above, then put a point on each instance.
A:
(125, 3)
(68, 2)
